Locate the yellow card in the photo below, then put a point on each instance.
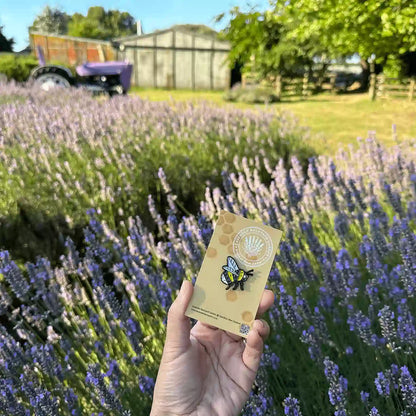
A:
(234, 273)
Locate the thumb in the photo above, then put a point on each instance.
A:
(179, 325)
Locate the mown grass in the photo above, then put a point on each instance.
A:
(335, 120)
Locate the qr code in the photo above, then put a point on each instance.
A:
(244, 329)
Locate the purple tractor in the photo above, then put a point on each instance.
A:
(111, 77)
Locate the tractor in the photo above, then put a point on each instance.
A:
(112, 77)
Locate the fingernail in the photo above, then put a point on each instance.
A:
(261, 323)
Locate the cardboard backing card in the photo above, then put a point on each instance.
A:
(234, 273)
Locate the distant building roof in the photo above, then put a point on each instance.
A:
(201, 31)
(197, 29)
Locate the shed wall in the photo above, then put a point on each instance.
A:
(176, 59)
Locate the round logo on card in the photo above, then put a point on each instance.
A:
(253, 246)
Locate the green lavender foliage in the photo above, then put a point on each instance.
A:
(62, 153)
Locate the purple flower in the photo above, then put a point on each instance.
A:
(388, 328)
(104, 392)
(364, 396)
(382, 383)
(337, 386)
(13, 276)
(146, 385)
(407, 387)
(291, 406)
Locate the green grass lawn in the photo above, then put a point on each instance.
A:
(334, 120)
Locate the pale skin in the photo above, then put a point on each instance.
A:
(206, 371)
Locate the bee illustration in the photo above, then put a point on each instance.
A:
(233, 275)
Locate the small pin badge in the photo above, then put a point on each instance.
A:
(233, 275)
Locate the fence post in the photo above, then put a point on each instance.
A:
(332, 79)
(372, 92)
(243, 80)
(411, 89)
(305, 85)
(278, 86)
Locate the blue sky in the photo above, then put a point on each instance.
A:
(17, 15)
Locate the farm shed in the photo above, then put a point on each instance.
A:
(177, 58)
(71, 50)
(171, 58)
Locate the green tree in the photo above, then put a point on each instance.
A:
(259, 44)
(51, 20)
(376, 30)
(102, 24)
(6, 45)
(292, 34)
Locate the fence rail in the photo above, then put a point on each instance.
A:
(302, 87)
(382, 87)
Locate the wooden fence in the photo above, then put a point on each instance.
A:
(288, 88)
(382, 87)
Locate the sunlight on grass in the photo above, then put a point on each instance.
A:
(335, 120)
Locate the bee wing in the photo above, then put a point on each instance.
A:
(227, 269)
(232, 266)
(224, 278)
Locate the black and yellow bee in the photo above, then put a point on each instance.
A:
(233, 275)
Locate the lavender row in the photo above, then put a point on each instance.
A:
(86, 337)
(62, 153)
(88, 152)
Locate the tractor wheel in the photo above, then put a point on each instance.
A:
(50, 78)
(119, 90)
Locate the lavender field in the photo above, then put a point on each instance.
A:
(65, 153)
(82, 327)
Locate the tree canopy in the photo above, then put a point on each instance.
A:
(260, 43)
(368, 28)
(51, 20)
(102, 24)
(302, 31)
(6, 45)
(97, 24)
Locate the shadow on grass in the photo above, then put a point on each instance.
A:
(31, 233)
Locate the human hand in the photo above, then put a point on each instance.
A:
(206, 371)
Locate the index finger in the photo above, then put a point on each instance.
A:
(266, 302)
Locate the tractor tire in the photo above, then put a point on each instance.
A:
(119, 90)
(52, 77)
